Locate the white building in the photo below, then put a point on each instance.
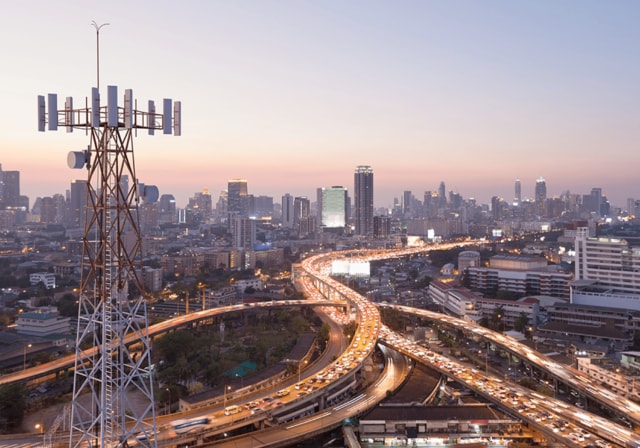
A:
(42, 324)
(607, 271)
(548, 280)
(46, 278)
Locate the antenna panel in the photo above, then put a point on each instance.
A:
(177, 118)
(152, 117)
(53, 111)
(112, 106)
(128, 108)
(41, 113)
(95, 107)
(166, 119)
(68, 113)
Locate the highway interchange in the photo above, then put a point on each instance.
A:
(555, 418)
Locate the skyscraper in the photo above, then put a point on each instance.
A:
(442, 195)
(363, 191)
(406, 202)
(287, 211)
(237, 190)
(332, 205)
(518, 192)
(301, 216)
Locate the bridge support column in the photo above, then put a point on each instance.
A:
(322, 403)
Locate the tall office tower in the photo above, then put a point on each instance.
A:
(518, 192)
(243, 233)
(541, 196)
(10, 189)
(332, 208)
(287, 211)
(442, 194)
(363, 191)
(301, 209)
(167, 212)
(77, 205)
(236, 191)
(406, 202)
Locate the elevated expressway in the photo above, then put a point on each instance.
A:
(185, 321)
(561, 373)
(299, 416)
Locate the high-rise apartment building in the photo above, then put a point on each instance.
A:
(363, 194)
(10, 189)
(332, 207)
(77, 205)
(243, 233)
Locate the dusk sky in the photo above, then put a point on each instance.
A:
(293, 95)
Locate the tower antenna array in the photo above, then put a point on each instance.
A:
(113, 386)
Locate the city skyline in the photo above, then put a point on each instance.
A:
(293, 96)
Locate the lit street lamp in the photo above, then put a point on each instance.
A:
(225, 396)
(299, 364)
(168, 390)
(40, 429)
(24, 358)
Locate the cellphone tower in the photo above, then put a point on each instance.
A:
(113, 399)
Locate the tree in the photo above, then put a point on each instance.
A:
(350, 329)
(12, 405)
(521, 322)
(68, 305)
(323, 334)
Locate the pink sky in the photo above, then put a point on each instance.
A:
(294, 95)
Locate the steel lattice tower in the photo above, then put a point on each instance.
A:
(113, 397)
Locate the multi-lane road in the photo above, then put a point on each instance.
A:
(560, 420)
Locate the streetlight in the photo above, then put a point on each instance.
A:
(168, 390)
(299, 364)
(486, 359)
(24, 358)
(40, 429)
(224, 402)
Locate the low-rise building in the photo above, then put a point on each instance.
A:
(42, 324)
(46, 278)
